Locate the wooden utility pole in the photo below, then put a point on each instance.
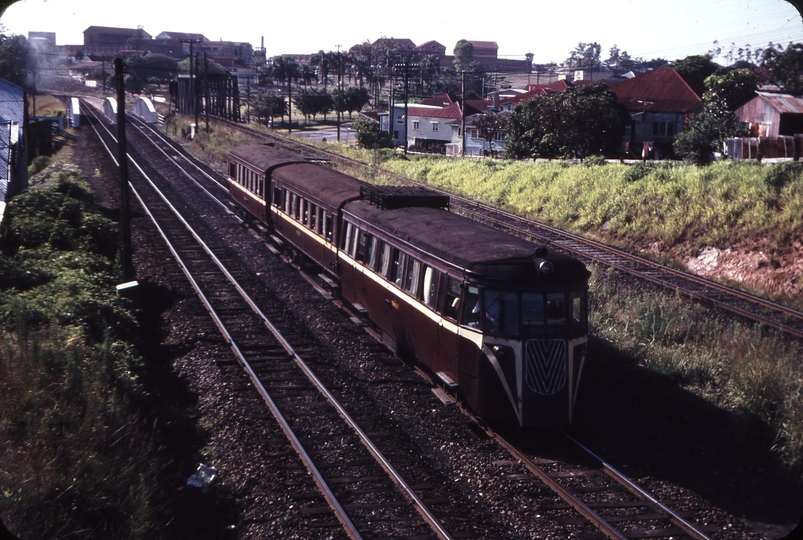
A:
(206, 84)
(463, 114)
(125, 216)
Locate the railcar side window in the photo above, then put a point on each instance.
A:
(286, 202)
(277, 196)
(451, 305)
(297, 207)
(320, 225)
(411, 277)
(232, 170)
(501, 312)
(261, 187)
(313, 216)
(372, 248)
(430, 286)
(362, 246)
(346, 242)
(532, 309)
(397, 267)
(305, 212)
(555, 308)
(328, 229)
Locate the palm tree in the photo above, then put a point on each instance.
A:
(307, 75)
(286, 69)
(323, 61)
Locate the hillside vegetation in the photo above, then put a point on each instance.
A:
(83, 444)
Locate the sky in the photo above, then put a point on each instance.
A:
(549, 29)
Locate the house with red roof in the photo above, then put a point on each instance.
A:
(660, 102)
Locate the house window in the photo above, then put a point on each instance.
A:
(416, 124)
(473, 134)
(663, 129)
(434, 126)
(400, 119)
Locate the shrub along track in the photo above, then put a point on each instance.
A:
(475, 467)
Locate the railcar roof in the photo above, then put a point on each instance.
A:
(463, 241)
(264, 157)
(319, 182)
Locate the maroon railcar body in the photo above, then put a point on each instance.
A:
(503, 320)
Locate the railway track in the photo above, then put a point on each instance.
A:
(731, 299)
(358, 490)
(642, 515)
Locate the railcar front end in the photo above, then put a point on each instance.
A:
(523, 339)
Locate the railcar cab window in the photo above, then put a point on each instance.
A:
(501, 312)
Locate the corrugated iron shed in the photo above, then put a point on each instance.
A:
(783, 103)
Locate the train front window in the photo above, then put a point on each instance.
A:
(555, 308)
(501, 312)
(532, 309)
(579, 320)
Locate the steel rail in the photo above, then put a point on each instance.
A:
(597, 520)
(381, 459)
(687, 527)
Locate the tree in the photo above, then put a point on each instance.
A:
(368, 134)
(267, 107)
(147, 66)
(313, 102)
(323, 61)
(15, 59)
(463, 55)
(731, 87)
(696, 68)
(490, 127)
(586, 56)
(307, 75)
(285, 69)
(706, 133)
(578, 122)
(354, 99)
(212, 67)
(785, 67)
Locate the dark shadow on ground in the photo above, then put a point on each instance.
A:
(645, 424)
(190, 513)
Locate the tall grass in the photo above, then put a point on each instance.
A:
(674, 205)
(754, 368)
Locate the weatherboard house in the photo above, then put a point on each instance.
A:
(659, 102)
(13, 157)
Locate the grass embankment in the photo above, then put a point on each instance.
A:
(83, 447)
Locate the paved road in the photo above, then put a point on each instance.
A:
(328, 134)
